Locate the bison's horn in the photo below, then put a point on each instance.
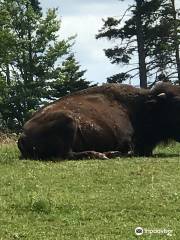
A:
(161, 95)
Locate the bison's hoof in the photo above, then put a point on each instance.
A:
(101, 156)
(113, 154)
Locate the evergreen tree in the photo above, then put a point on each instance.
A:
(148, 35)
(160, 44)
(140, 42)
(176, 23)
(70, 79)
(129, 40)
(32, 60)
(36, 6)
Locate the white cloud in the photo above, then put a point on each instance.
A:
(88, 50)
(83, 7)
(84, 18)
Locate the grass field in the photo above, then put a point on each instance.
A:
(90, 199)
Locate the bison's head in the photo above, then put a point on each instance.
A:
(39, 147)
(165, 102)
(47, 135)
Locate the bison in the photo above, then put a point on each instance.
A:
(103, 122)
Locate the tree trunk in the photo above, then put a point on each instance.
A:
(176, 42)
(140, 44)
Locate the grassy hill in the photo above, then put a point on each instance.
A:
(90, 199)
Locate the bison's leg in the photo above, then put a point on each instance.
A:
(87, 155)
(125, 149)
(97, 155)
(114, 154)
(143, 147)
(143, 150)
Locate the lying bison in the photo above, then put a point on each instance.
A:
(102, 122)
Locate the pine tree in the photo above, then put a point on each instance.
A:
(36, 6)
(176, 25)
(70, 79)
(141, 43)
(160, 42)
(148, 34)
(129, 40)
(32, 60)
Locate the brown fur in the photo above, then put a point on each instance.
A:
(104, 121)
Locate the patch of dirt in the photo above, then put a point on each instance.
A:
(7, 138)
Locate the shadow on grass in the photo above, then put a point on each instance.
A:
(166, 155)
(58, 160)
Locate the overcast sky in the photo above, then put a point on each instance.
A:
(84, 18)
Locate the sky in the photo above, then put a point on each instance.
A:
(84, 18)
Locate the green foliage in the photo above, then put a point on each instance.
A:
(90, 199)
(159, 25)
(118, 78)
(70, 79)
(36, 6)
(32, 58)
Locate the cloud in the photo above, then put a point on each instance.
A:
(84, 18)
(88, 50)
(82, 7)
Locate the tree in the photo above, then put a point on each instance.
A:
(36, 6)
(141, 43)
(69, 80)
(33, 60)
(147, 35)
(176, 37)
(162, 46)
(131, 37)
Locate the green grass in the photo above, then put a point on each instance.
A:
(90, 199)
